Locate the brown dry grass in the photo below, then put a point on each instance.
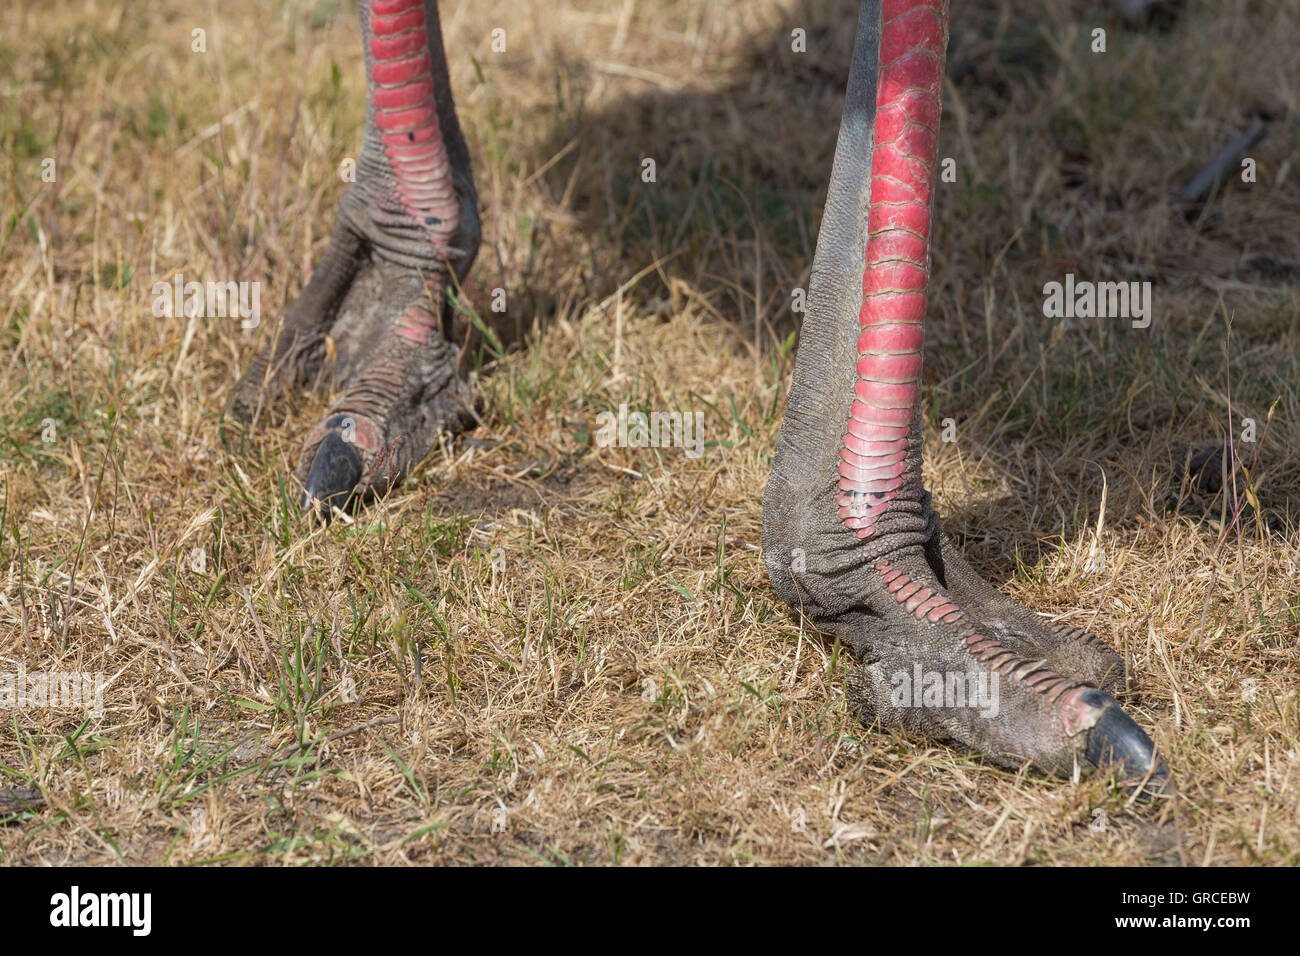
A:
(626, 688)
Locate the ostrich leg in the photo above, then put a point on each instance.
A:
(848, 532)
(404, 227)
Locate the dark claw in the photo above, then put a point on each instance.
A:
(335, 471)
(1117, 740)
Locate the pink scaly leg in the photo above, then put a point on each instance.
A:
(407, 224)
(944, 653)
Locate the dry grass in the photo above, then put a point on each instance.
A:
(624, 687)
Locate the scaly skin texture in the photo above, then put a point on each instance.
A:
(848, 532)
(406, 226)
